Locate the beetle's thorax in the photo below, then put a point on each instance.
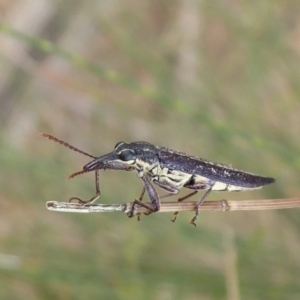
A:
(146, 162)
(161, 175)
(138, 156)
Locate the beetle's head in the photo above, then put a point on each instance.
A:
(124, 157)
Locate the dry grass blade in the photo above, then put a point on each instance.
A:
(220, 205)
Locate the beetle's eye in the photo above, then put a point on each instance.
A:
(127, 155)
(118, 144)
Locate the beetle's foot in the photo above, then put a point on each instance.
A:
(85, 202)
(193, 220)
(130, 214)
(193, 223)
(175, 216)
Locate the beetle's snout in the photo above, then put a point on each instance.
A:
(100, 162)
(93, 165)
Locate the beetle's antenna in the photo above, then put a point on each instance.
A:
(52, 138)
(77, 174)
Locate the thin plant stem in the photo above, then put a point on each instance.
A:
(219, 205)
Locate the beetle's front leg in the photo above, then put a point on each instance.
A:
(153, 196)
(90, 167)
(94, 198)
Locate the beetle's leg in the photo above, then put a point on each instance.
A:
(172, 190)
(141, 199)
(175, 191)
(198, 204)
(193, 186)
(182, 199)
(94, 198)
(153, 196)
(91, 167)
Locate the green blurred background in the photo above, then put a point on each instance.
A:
(216, 79)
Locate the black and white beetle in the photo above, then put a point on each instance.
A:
(170, 170)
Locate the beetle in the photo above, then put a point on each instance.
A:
(170, 170)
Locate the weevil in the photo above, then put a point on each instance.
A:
(170, 170)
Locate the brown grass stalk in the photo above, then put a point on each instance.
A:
(219, 205)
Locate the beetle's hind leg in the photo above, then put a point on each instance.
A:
(180, 200)
(198, 204)
(196, 186)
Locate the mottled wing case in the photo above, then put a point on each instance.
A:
(175, 160)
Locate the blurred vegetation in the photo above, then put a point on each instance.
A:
(215, 79)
